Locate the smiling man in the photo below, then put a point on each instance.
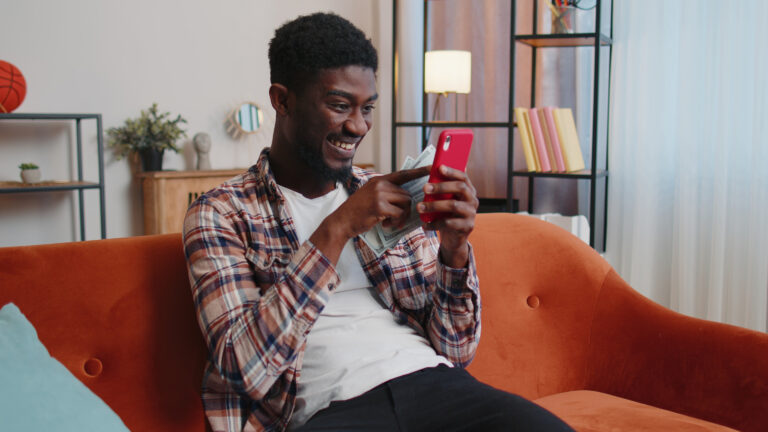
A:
(307, 328)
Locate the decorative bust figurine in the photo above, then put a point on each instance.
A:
(202, 143)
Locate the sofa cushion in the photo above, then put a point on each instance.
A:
(37, 392)
(590, 411)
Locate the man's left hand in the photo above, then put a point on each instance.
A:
(460, 220)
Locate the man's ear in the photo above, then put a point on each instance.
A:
(278, 96)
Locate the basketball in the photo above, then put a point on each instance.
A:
(13, 88)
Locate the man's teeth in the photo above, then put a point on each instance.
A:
(343, 145)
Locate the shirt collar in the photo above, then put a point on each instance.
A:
(262, 171)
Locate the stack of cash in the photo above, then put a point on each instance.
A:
(379, 238)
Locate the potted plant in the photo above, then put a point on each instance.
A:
(30, 173)
(148, 136)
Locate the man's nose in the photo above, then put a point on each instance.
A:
(356, 124)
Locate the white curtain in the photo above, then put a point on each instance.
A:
(688, 194)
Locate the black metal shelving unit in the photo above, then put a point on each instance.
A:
(594, 174)
(79, 185)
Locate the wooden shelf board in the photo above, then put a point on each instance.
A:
(46, 185)
(191, 173)
(47, 116)
(562, 40)
(582, 174)
(477, 124)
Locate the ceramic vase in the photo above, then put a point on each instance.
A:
(152, 159)
(30, 175)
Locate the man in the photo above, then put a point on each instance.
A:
(307, 328)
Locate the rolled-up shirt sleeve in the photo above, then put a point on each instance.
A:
(454, 325)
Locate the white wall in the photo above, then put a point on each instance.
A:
(196, 58)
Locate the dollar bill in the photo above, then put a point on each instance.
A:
(379, 238)
(371, 238)
(408, 164)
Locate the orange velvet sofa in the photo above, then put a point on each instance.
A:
(560, 327)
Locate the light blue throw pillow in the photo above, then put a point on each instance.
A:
(37, 393)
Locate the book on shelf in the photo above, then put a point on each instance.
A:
(526, 139)
(545, 134)
(531, 138)
(549, 139)
(549, 123)
(538, 140)
(569, 139)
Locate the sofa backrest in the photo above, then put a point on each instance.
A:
(539, 286)
(119, 315)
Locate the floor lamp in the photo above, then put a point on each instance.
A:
(447, 71)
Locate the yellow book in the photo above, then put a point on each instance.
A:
(569, 139)
(526, 138)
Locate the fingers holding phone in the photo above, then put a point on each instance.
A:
(451, 157)
(456, 214)
(450, 200)
(457, 205)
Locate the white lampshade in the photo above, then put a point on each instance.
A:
(447, 71)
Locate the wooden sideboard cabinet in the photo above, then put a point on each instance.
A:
(168, 194)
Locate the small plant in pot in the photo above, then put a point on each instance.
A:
(149, 136)
(30, 173)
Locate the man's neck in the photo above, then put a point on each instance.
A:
(294, 174)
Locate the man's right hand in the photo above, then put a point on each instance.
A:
(381, 199)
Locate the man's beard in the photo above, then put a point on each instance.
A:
(314, 160)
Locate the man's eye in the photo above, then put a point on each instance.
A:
(369, 108)
(340, 106)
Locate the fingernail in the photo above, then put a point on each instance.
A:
(420, 207)
(429, 188)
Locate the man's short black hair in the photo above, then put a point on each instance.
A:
(303, 47)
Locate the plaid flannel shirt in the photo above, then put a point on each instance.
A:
(258, 291)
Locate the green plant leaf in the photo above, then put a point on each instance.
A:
(150, 130)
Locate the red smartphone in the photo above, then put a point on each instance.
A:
(453, 147)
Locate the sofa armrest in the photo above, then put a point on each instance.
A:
(642, 351)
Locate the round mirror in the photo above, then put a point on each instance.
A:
(245, 119)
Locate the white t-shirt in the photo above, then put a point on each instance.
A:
(355, 344)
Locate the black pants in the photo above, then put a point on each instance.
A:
(435, 399)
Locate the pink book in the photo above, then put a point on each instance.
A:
(556, 149)
(538, 139)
